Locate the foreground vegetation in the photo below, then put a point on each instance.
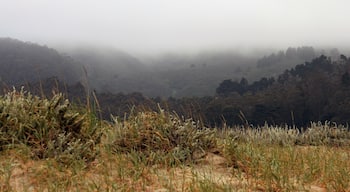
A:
(51, 145)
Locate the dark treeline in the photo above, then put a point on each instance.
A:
(316, 90)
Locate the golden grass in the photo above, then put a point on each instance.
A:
(268, 169)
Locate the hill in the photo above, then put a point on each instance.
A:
(23, 62)
(316, 90)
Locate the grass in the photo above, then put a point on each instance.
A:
(51, 145)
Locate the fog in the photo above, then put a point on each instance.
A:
(155, 26)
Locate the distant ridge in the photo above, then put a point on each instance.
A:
(24, 62)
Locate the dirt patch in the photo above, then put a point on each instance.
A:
(212, 169)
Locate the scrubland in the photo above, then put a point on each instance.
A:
(54, 145)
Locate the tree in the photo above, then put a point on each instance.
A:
(291, 53)
(228, 86)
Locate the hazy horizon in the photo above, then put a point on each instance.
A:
(156, 26)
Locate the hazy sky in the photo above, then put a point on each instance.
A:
(151, 25)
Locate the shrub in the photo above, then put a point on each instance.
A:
(161, 133)
(51, 128)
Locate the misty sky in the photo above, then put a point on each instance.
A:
(158, 25)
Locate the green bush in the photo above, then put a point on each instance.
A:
(153, 133)
(51, 128)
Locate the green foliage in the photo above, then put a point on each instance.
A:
(153, 133)
(50, 128)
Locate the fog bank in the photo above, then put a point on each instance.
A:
(155, 26)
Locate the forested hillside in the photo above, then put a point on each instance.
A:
(22, 63)
(165, 75)
(290, 92)
(184, 75)
(314, 91)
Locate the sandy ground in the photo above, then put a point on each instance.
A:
(212, 168)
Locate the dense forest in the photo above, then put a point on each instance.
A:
(291, 87)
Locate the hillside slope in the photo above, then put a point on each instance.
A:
(23, 62)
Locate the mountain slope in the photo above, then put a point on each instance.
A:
(23, 62)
